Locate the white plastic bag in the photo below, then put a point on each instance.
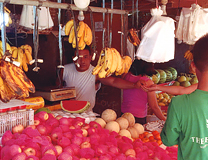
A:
(158, 39)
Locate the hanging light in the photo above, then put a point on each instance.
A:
(82, 4)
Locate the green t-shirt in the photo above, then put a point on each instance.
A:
(187, 125)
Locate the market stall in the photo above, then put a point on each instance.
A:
(40, 121)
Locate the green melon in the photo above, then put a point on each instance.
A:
(173, 71)
(74, 106)
(162, 76)
(156, 77)
(169, 76)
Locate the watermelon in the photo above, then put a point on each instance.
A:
(173, 71)
(75, 106)
(156, 77)
(162, 76)
(169, 76)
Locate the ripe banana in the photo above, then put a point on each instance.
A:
(100, 63)
(71, 35)
(108, 60)
(69, 26)
(88, 35)
(24, 63)
(13, 48)
(14, 53)
(28, 53)
(128, 62)
(188, 55)
(3, 93)
(118, 57)
(133, 37)
(20, 55)
(81, 29)
(81, 43)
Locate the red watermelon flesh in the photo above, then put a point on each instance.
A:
(74, 106)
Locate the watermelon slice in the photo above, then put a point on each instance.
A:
(74, 106)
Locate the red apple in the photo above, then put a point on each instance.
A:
(76, 140)
(6, 136)
(49, 151)
(20, 156)
(51, 115)
(84, 132)
(31, 126)
(32, 158)
(43, 116)
(36, 121)
(48, 157)
(14, 149)
(59, 117)
(55, 136)
(130, 152)
(18, 128)
(42, 129)
(65, 128)
(53, 122)
(59, 149)
(64, 121)
(68, 135)
(63, 141)
(65, 156)
(30, 151)
(71, 127)
(85, 126)
(69, 149)
(85, 145)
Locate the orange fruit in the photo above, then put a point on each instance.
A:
(151, 138)
(145, 139)
(157, 137)
(159, 142)
(155, 132)
(145, 133)
(141, 136)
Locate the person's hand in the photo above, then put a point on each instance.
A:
(153, 87)
(140, 83)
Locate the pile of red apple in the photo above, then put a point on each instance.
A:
(61, 138)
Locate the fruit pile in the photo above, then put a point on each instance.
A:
(13, 82)
(164, 99)
(185, 80)
(84, 34)
(166, 75)
(72, 139)
(110, 61)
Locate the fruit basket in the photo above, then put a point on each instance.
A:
(10, 120)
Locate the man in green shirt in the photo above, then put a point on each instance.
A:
(187, 118)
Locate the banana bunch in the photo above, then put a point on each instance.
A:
(23, 55)
(7, 16)
(110, 62)
(13, 82)
(188, 55)
(132, 37)
(84, 34)
(8, 47)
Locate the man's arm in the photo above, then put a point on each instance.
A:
(175, 90)
(119, 83)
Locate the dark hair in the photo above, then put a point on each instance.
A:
(140, 67)
(86, 48)
(200, 53)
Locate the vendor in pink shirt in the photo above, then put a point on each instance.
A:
(136, 101)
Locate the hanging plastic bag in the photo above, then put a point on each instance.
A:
(158, 39)
(27, 19)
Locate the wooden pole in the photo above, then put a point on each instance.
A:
(62, 6)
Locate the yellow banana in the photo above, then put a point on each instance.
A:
(13, 48)
(88, 35)
(122, 70)
(14, 53)
(81, 29)
(68, 27)
(81, 43)
(99, 64)
(28, 48)
(119, 62)
(128, 62)
(108, 60)
(24, 63)
(114, 63)
(20, 55)
(71, 35)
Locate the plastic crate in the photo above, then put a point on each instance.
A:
(8, 121)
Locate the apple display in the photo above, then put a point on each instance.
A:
(85, 145)
(42, 129)
(42, 115)
(14, 149)
(30, 151)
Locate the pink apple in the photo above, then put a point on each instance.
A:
(55, 136)
(36, 121)
(64, 121)
(84, 132)
(114, 150)
(53, 122)
(85, 145)
(48, 157)
(14, 149)
(31, 126)
(51, 115)
(130, 152)
(29, 151)
(65, 156)
(69, 149)
(41, 129)
(71, 127)
(85, 126)
(20, 156)
(59, 117)
(6, 136)
(31, 157)
(68, 135)
(76, 140)
(49, 151)
(43, 116)
(65, 128)
(63, 141)
(59, 149)
(18, 128)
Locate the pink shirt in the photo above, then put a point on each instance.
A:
(135, 100)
